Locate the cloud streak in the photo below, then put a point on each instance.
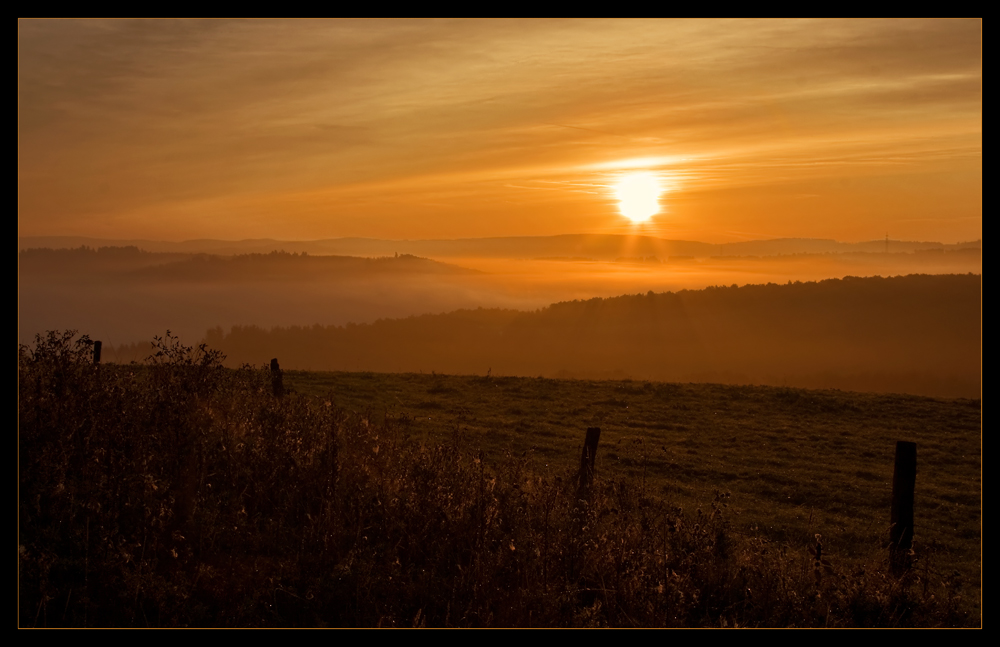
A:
(302, 128)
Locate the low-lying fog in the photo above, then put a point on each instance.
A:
(125, 296)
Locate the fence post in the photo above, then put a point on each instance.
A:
(904, 479)
(97, 352)
(589, 454)
(276, 383)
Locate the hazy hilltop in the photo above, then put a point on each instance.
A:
(915, 334)
(125, 294)
(133, 263)
(595, 246)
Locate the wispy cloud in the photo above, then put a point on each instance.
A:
(338, 127)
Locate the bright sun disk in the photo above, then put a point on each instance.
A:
(638, 196)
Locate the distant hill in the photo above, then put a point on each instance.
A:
(916, 334)
(132, 262)
(598, 246)
(125, 294)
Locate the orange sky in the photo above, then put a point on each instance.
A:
(307, 129)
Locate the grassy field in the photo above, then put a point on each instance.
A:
(797, 462)
(183, 493)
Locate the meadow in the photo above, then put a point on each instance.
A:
(178, 492)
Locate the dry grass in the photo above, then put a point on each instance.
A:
(180, 493)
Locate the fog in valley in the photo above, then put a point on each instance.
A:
(889, 337)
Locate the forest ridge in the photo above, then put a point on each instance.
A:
(917, 334)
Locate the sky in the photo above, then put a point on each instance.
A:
(408, 129)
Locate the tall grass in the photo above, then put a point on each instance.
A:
(181, 493)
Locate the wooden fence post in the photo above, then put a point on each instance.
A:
(97, 352)
(276, 383)
(904, 479)
(589, 454)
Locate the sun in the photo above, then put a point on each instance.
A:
(638, 196)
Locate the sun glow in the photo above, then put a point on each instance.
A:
(639, 196)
